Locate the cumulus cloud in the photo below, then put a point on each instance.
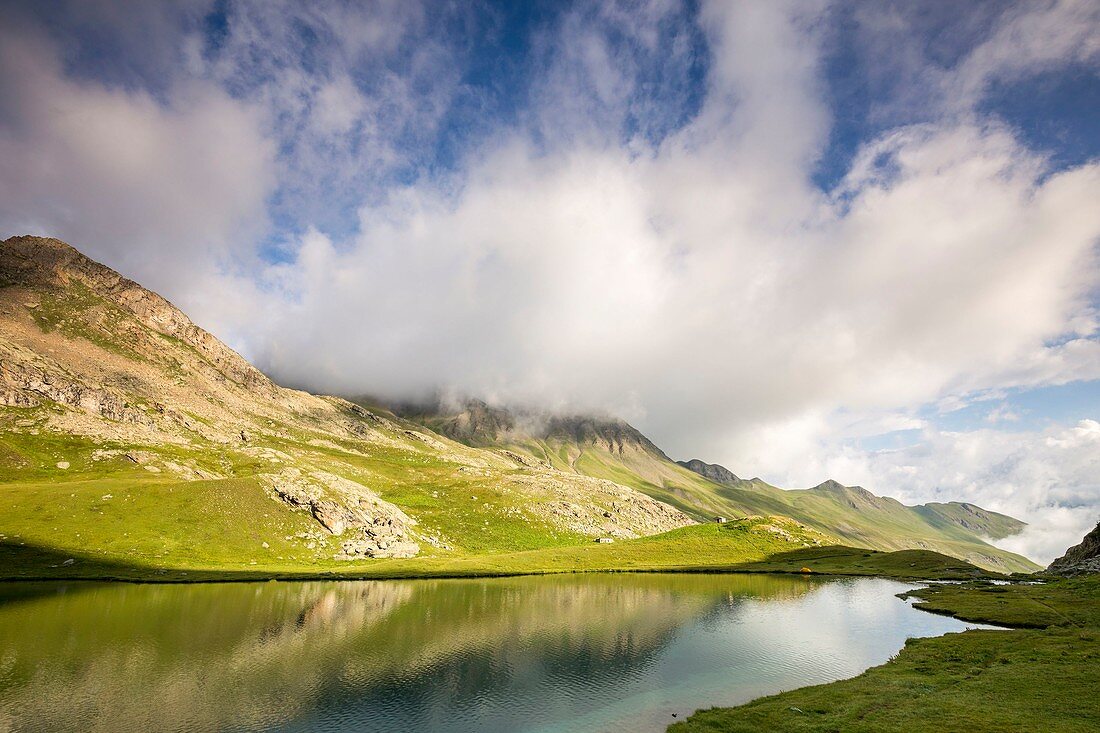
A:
(946, 261)
(163, 190)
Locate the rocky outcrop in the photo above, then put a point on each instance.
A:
(26, 380)
(1080, 559)
(375, 528)
(473, 423)
(597, 507)
(713, 471)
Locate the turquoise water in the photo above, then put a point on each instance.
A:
(580, 653)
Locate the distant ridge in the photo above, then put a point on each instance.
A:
(477, 423)
(715, 472)
(612, 449)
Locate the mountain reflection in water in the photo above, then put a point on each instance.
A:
(551, 653)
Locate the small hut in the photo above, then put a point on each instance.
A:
(604, 540)
(720, 520)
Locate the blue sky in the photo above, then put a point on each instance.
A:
(806, 240)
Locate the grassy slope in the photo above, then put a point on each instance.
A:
(155, 518)
(960, 514)
(882, 524)
(739, 546)
(1042, 678)
(158, 518)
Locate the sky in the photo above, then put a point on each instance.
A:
(805, 240)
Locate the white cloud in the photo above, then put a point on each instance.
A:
(338, 106)
(684, 276)
(164, 191)
(1033, 38)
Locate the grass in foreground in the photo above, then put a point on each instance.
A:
(1043, 678)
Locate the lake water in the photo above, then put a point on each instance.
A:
(580, 653)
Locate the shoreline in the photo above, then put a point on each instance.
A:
(336, 577)
(829, 561)
(981, 679)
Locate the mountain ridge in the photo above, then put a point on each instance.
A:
(852, 513)
(101, 378)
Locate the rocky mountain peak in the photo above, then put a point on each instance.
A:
(610, 433)
(34, 260)
(50, 265)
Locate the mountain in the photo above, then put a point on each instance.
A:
(128, 431)
(1080, 559)
(971, 518)
(612, 449)
(601, 447)
(716, 473)
(130, 436)
(476, 423)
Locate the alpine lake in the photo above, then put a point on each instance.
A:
(582, 653)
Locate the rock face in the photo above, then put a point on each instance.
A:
(713, 471)
(1080, 559)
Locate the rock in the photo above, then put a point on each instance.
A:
(63, 465)
(1080, 559)
(371, 547)
(340, 505)
(331, 515)
(265, 545)
(70, 561)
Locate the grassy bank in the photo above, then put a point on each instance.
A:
(748, 545)
(1041, 677)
